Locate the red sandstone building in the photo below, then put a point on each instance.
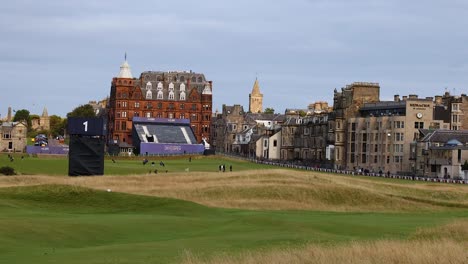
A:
(156, 94)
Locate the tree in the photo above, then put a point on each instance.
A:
(57, 125)
(23, 116)
(464, 166)
(269, 110)
(82, 111)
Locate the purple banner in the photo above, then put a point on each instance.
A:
(47, 150)
(159, 148)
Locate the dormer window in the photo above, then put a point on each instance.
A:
(149, 94)
(160, 86)
(160, 95)
(171, 95)
(149, 86)
(182, 87)
(182, 96)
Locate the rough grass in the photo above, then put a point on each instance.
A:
(275, 189)
(440, 245)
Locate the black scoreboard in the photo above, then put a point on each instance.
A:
(90, 126)
(87, 142)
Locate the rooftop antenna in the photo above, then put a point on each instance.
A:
(125, 56)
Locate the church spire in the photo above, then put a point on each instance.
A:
(256, 99)
(256, 88)
(125, 71)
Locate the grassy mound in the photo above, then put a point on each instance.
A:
(71, 224)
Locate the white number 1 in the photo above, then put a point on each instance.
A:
(85, 126)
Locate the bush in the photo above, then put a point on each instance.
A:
(464, 166)
(7, 170)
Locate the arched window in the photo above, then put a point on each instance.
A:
(160, 86)
(200, 79)
(174, 79)
(149, 94)
(171, 87)
(171, 95)
(182, 78)
(182, 87)
(194, 79)
(149, 86)
(182, 96)
(160, 95)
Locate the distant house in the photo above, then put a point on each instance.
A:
(13, 136)
(440, 153)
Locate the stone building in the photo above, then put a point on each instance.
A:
(379, 138)
(42, 122)
(157, 94)
(256, 99)
(288, 137)
(228, 124)
(346, 104)
(457, 106)
(440, 153)
(312, 138)
(13, 136)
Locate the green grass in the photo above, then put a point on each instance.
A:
(29, 165)
(66, 224)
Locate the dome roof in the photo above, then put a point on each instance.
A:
(125, 71)
(454, 142)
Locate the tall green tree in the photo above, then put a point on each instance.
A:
(82, 111)
(269, 110)
(23, 115)
(57, 125)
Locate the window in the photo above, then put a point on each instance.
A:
(6, 134)
(182, 96)
(418, 124)
(455, 118)
(124, 104)
(399, 137)
(265, 143)
(182, 106)
(182, 78)
(397, 159)
(399, 124)
(137, 104)
(159, 105)
(149, 94)
(149, 86)
(375, 159)
(136, 114)
(353, 126)
(388, 159)
(376, 148)
(398, 147)
(148, 114)
(455, 107)
(160, 95)
(124, 125)
(194, 79)
(171, 96)
(124, 114)
(275, 142)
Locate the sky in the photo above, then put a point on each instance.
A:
(61, 54)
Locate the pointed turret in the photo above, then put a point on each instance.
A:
(256, 99)
(125, 71)
(45, 113)
(256, 88)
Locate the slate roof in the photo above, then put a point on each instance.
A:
(444, 136)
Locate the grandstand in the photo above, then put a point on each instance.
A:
(155, 136)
